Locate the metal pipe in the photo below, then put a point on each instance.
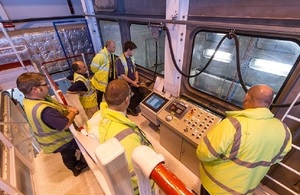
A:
(289, 168)
(168, 182)
(277, 182)
(296, 147)
(208, 24)
(84, 61)
(60, 59)
(61, 43)
(41, 19)
(70, 7)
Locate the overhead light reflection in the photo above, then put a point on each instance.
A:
(220, 56)
(272, 67)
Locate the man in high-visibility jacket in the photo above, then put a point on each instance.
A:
(111, 121)
(50, 120)
(103, 67)
(238, 152)
(83, 87)
(126, 69)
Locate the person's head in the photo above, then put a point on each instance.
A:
(33, 84)
(110, 46)
(258, 96)
(117, 95)
(79, 67)
(129, 48)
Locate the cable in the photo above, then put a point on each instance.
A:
(229, 35)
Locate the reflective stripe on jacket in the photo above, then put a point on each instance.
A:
(124, 63)
(115, 124)
(238, 152)
(49, 139)
(100, 66)
(89, 99)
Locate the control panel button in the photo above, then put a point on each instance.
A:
(169, 118)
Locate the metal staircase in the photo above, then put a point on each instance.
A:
(287, 115)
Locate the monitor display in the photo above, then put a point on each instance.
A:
(155, 102)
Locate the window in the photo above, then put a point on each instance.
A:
(105, 5)
(150, 42)
(262, 61)
(111, 30)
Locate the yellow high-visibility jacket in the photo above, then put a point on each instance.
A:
(49, 139)
(89, 99)
(100, 67)
(110, 124)
(238, 152)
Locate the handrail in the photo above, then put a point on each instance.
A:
(286, 115)
(58, 93)
(66, 58)
(85, 144)
(149, 164)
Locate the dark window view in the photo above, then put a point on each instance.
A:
(262, 61)
(150, 43)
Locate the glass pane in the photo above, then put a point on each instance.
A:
(105, 5)
(111, 31)
(15, 127)
(150, 43)
(262, 61)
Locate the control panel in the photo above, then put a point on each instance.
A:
(192, 121)
(152, 105)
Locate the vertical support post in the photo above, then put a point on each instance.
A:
(175, 10)
(88, 9)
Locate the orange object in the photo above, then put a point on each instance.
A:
(168, 182)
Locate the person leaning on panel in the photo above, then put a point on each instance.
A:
(111, 121)
(126, 69)
(82, 86)
(103, 67)
(238, 152)
(50, 120)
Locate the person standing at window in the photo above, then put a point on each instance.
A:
(126, 70)
(103, 67)
(50, 120)
(237, 153)
(82, 86)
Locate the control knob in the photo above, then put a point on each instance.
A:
(169, 118)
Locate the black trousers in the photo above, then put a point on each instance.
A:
(136, 98)
(203, 191)
(68, 155)
(99, 97)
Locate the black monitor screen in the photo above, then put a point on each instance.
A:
(155, 102)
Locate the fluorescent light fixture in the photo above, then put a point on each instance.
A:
(272, 67)
(220, 56)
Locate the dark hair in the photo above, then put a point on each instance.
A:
(129, 45)
(116, 92)
(27, 80)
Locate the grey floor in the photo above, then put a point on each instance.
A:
(51, 177)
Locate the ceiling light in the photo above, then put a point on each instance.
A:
(272, 67)
(220, 56)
